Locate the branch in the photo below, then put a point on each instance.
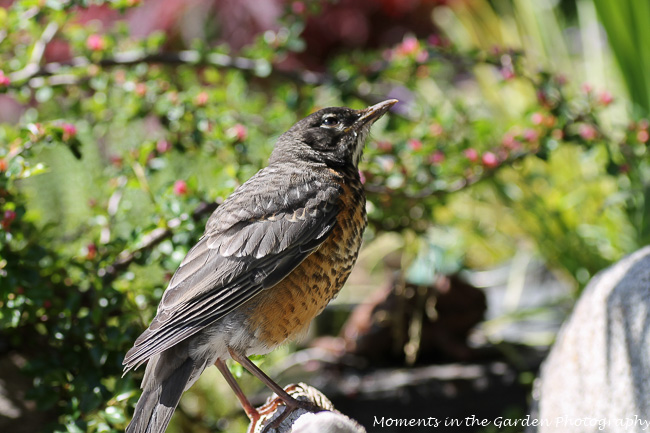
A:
(455, 187)
(32, 66)
(35, 74)
(156, 236)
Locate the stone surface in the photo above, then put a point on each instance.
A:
(597, 376)
(326, 422)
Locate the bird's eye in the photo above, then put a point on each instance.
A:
(330, 121)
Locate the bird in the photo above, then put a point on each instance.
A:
(272, 256)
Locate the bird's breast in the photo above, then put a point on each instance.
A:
(286, 309)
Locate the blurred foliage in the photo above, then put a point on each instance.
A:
(107, 176)
(626, 25)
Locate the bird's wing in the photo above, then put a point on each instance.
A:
(252, 241)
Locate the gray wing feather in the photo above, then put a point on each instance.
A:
(244, 250)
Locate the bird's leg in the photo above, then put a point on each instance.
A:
(290, 402)
(252, 413)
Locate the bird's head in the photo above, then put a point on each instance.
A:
(334, 136)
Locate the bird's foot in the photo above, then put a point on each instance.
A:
(279, 412)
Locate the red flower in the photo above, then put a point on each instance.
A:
(201, 99)
(490, 160)
(9, 217)
(605, 98)
(384, 145)
(69, 131)
(437, 157)
(238, 131)
(298, 8)
(409, 45)
(91, 251)
(95, 42)
(163, 146)
(436, 41)
(507, 73)
(471, 154)
(180, 187)
(509, 142)
(530, 135)
(414, 144)
(436, 129)
(4, 80)
(116, 161)
(141, 89)
(537, 118)
(587, 132)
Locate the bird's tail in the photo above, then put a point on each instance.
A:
(167, 376)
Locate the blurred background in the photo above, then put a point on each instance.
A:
(514, 168)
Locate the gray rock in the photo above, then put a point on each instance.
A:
(597, 376)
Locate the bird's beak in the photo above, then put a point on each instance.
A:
(371, 114)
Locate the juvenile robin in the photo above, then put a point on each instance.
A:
(272, 257)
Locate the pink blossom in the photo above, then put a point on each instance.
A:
(9, 217)
(298, 8)
(409, 45)
(509, 142)
(642, 136)
(587, 88)
(239, 132)
(537, 118)
(163, 146)
(435, 40)
(116, 161)
(490, 160)
(437, 157)
(91, 251)
(95, 42)
(141, 89)
(530, 135)
(605, 98)
(201, 99)
(507, 73)
(587, 132)
(471, 154)
(414, 144)
(180, 187)
(4, 80)
(436, 129)
(69, 131)
(384, 145)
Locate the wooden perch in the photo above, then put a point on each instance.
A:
(329, 420)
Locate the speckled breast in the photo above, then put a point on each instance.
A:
(287, 308)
